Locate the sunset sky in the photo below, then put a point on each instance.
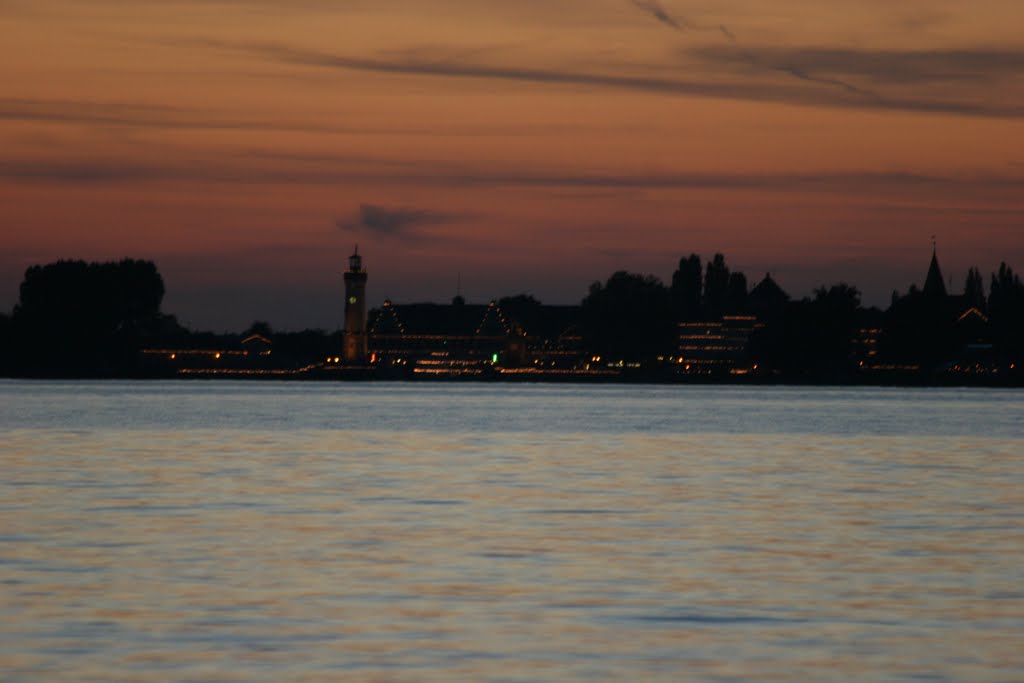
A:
(530, 145)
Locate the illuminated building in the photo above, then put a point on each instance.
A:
(716, 346)
(864, 347)
(257, 345)
(461, 338)
(355, 351)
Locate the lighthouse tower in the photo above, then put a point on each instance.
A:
(355, 310)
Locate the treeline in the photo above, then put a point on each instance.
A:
(828, 336)
(78, 319)
(635, 317)
(82, 319)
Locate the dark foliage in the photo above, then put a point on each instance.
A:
(260, 327)
(919, 330)
(974, 290)
(74, 317)
(814, 338)
(687, 289)
(707, 293)
(716, 288)
(736, 294)
(629, 318)
(1006, 307)
(524, 310)
(6, 345)
(295, 349)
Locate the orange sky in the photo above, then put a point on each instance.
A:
(245, 145)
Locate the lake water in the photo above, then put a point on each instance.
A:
(220, 531)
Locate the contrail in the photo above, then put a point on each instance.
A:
(796, 72)
(654, 8)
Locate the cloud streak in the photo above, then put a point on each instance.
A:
(117, 114)
(653, 8)
(386, 220)
(846, 96)
(656, 10)
(899, 67)
(392, 222)
(835, 66)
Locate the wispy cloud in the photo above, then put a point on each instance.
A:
(836, 66)
(395, 220)
(845, 96)
(803, 74)
(655, 9)
(879, 66)
(392, 222)
(677, 22)
(135, 115)
(128, 115)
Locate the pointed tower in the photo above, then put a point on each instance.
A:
(355, 310)
(934, 287)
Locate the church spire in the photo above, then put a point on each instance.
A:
(355, 261)
(933, 284)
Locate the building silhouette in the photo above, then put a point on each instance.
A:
(934, 287)
(767, 300)
(355, 346)
(930, 334)
(935, 330)
(715, 346)
(471, 339)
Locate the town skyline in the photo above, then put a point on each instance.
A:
(336, 299)
(245, 146)
(79, 319)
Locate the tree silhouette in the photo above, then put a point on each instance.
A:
(6, 343)
(836, 309)
(524, 310)
(919, 329)
(974, 290)
(817, 336)
(686, 288)
(628, 318)
(260, 327)
(716, 287)
(1006, 307)
(736, 294)
(85, 318)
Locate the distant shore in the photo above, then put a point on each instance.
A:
(1012, 379)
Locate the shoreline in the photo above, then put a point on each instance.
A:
(1009, 380)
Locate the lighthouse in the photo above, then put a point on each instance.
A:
(355, 310)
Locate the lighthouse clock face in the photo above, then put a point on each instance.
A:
(351, 299)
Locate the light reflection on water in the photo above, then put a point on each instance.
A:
(191, 531)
